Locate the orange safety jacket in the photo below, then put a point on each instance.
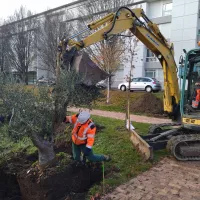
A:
(195, 103)
(82, 133)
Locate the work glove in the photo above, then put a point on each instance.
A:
(87, 151)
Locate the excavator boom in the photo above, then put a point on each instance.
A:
(149, 34)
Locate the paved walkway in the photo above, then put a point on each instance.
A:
(168, 180)
(118, 115)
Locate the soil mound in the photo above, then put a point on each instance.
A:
(56, 183)
(147, 103)
(20, 178)
(9, 188)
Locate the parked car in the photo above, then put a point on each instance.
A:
(142, 83)
(45, 82)
(102, 84)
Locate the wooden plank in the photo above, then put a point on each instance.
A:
(141, 145)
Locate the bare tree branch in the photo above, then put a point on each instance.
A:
(51, 31)
(23, 35)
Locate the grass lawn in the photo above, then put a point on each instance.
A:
(8, 146)
(126, 163)
(118, 100)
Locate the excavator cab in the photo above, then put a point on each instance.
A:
(182, 140)
(190, 93)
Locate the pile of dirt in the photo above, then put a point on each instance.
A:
(63, 146)
(63, 142)
(20, 177)
(56, 183)
(147, 103)
(9, 188)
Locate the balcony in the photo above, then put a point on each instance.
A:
(151, 59)
(152, 63)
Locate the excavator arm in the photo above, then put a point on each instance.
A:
(148, 33)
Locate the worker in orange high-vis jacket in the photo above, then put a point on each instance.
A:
(196, 95)
(83, 136)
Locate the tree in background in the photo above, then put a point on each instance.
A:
(52, 30)
(23, 38)
(107, 54)
(5, 47)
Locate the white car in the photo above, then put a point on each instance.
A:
(142, 83)
(102, 84)
(45, 82)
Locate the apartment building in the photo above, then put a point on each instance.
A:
(179, 22)
(146, 64)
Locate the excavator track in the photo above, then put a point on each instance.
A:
(185, 147)
(157, 128)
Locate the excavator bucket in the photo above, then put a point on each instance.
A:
(81, 62)
(91, 72)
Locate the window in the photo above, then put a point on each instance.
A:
(144, 80)
(167, 9)
(150, 56)
(135, 79)
(155, 74)
(150, 73)
(121, 67)
(32, 77)
(150, 53)
(155, 80)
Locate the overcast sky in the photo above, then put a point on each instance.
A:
(8, 7)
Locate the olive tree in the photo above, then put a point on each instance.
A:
(32, 111)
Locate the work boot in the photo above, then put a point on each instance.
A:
(107, 158)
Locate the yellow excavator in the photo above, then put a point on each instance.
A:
(181, 137)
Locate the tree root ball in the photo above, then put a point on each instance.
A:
(56, 183)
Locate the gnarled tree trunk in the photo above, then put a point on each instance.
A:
(45, 151)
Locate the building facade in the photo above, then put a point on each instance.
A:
(179, 22)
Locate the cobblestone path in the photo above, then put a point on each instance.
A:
(168, 180)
